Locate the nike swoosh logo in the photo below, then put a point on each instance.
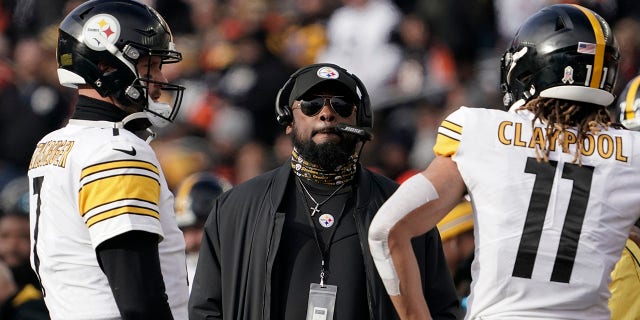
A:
(131, 152)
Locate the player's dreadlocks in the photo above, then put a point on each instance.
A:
(561, 115)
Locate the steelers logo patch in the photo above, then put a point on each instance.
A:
(99, 30)
(326, 220)
(327, 73)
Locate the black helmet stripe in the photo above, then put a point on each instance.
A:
(598, 60)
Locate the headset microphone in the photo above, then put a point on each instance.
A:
(363, 134)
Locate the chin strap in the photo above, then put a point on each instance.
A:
(134, 116)
(516, 105)
(151, 136)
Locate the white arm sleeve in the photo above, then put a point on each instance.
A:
(413, 193)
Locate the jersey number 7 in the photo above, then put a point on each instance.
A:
(37, 187)
(532, 231)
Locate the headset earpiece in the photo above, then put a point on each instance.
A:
(284, 118)
(284, 115)
(365, 115)
(283, 111)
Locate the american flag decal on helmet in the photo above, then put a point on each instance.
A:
(587, 48)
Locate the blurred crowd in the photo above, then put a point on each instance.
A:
(418, 59)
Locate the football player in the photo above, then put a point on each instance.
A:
(625, 278)
(195, 197)
(105, 243)
(552, 182)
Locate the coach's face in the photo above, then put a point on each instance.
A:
(313, 129)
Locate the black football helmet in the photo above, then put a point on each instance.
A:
(629, 105)
(195, 197)
(564, 51)
(118, 33)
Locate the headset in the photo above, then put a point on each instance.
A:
(364, 116)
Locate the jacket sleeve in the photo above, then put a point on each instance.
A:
(205, 301)
(438, 287)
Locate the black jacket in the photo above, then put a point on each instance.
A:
(241, 238)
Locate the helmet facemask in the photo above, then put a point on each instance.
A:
(162, 112)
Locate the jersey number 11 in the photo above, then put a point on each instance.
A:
(533, 225)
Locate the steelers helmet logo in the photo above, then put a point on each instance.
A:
(100, 30)
(328, 73)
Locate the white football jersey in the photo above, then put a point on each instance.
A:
(547, 234)
(89, 182)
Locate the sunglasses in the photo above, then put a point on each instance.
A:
(312, 107)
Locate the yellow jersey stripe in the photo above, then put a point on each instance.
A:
(120, 187)
(451, 126)
(598, 60)
(445, 145)
(120, 211)
(630, 99)
(120, 164)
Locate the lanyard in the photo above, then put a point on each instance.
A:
(323, 253)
